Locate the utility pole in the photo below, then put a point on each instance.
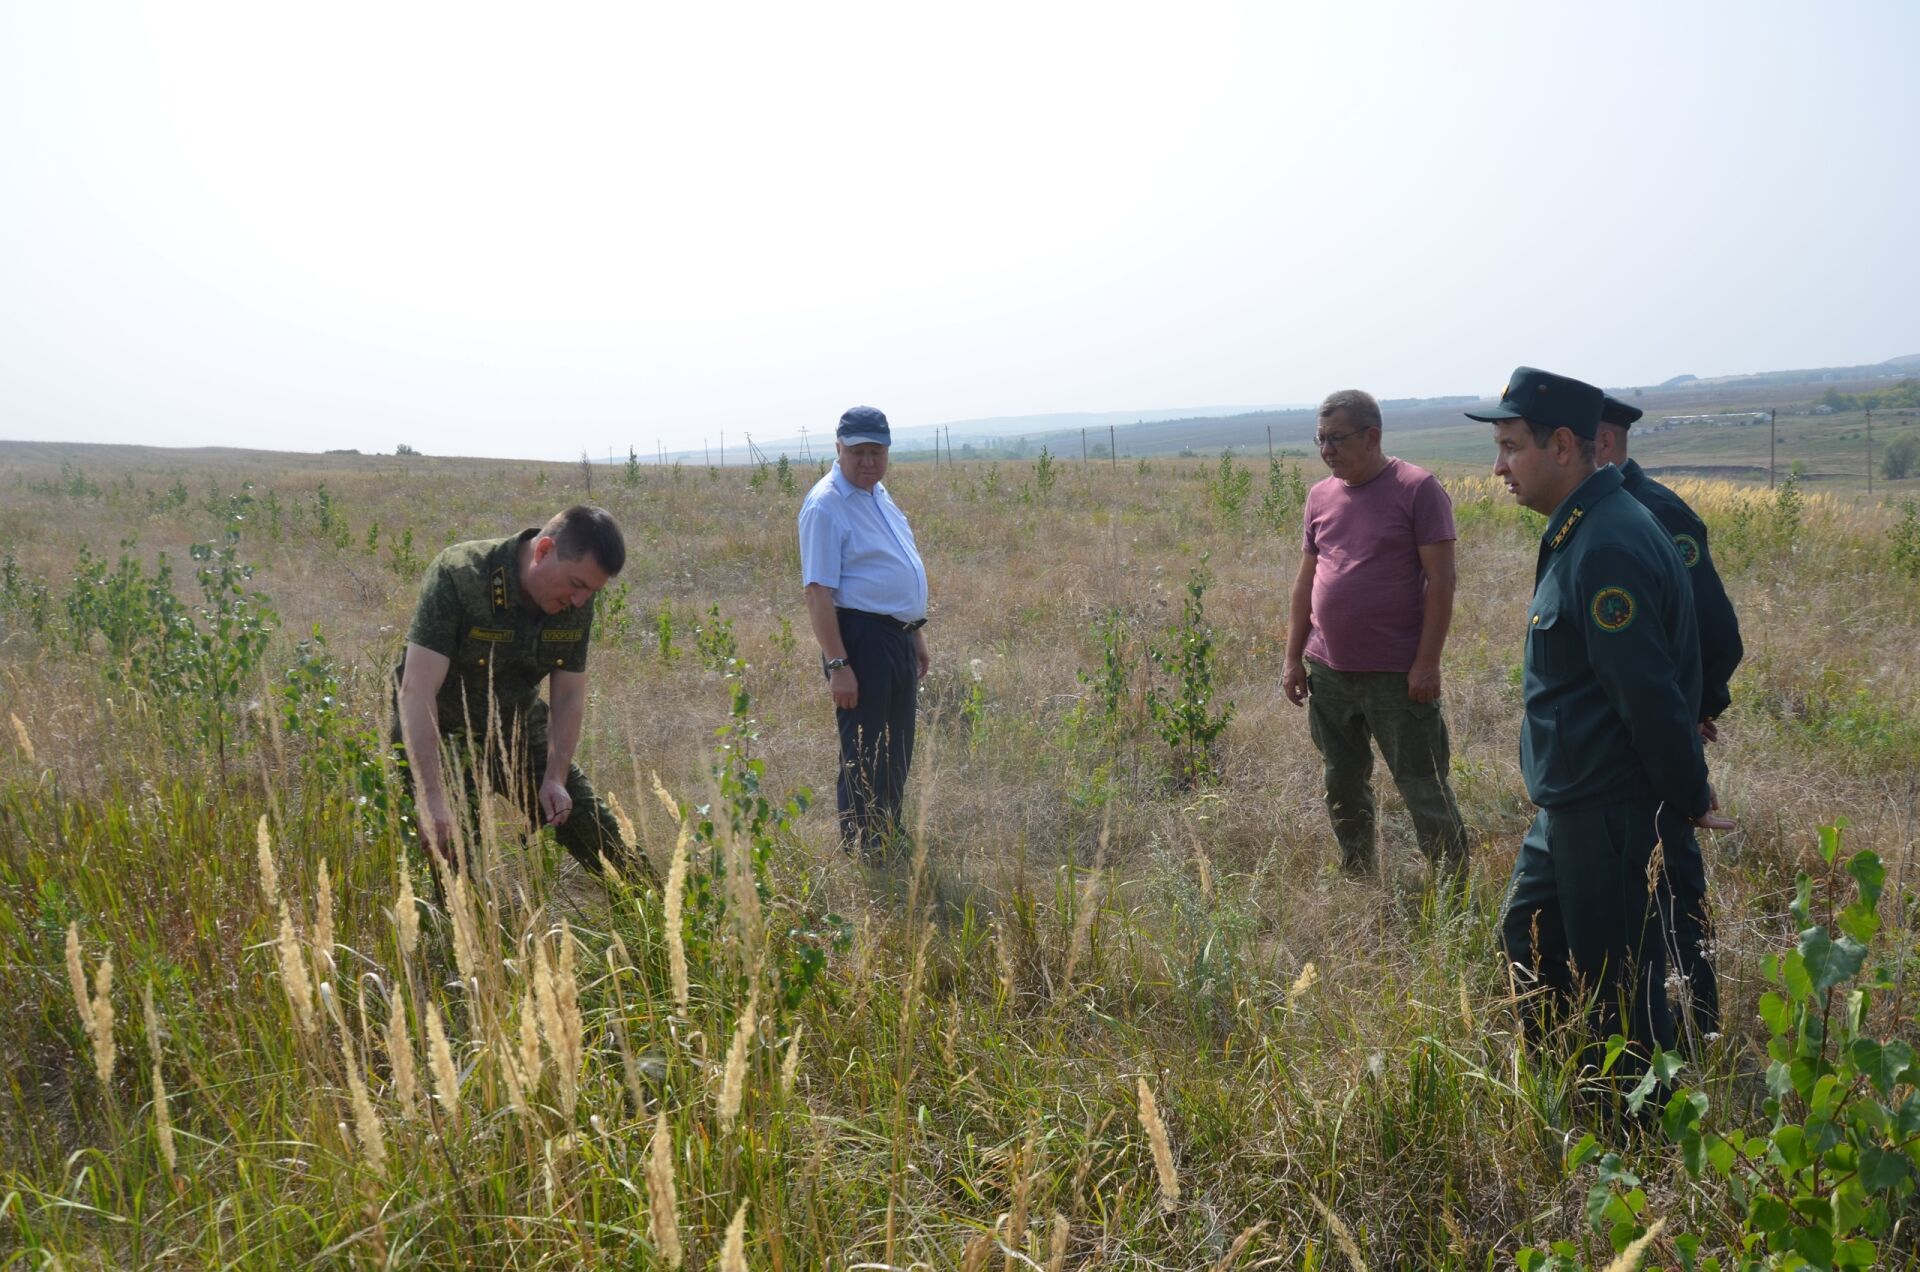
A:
(1113, 448)
(1772, 445)
(706, 452)
(723, 448)
(1869, 453)
(949, 441)
(1269, 444)
(1083, 445)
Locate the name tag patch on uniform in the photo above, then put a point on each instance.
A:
(1613, 609)
(498, 635)
(1689, 549)
(562, 633)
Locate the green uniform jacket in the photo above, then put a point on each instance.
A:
(1613, 660)
(1720, 647)
(471, 609)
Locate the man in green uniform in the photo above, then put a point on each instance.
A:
(1612, 686)
(1720, 652)
(495, 618)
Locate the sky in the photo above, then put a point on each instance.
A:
(536, 231)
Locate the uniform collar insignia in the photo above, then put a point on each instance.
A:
(1561, 535)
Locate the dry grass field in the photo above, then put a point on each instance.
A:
(1109, 1022)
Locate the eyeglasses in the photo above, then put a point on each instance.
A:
(1334, 439)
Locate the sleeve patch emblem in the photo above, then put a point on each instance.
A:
(1689, 549)
(1613, 609)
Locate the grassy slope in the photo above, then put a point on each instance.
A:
(945, 1075)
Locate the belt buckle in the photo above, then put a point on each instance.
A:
(914, 626)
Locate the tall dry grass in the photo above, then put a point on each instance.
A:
(517, 1066)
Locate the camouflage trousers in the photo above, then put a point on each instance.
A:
(514, 762)
(1350, 712)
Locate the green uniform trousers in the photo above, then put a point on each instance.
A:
(590, 830)
(1581, 920)
(1347, 712)
(1683, 905)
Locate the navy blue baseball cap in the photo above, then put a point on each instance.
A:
(1541, 397)
(1617, 413)
(864, 424)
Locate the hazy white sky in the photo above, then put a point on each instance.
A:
(540, 229)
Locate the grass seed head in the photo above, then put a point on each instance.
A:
(406, 915)
(366, 1123)
(663, 1207)
(676, 937)
(163, 1120)
(1239, 1247)
(1162, 1152)
(323, 921)
(621, 820)
(1342, 1235)
(790, 1067)
(269, 870)
(77, 979)
(570, 1045)
(733, 1255)
(20, 736)
(103, 1050)
(666, 801)
(1628, 1259)
(446, 1078)
(1302, 983)
(733, 1083)
(529, 1060)
(1062, 1233)
(406, 1080)
(293, 971)
(152, 1020)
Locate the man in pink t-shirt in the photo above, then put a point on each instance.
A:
(1368, 619)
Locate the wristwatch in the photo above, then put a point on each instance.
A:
(835, 664)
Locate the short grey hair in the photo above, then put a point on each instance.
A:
(1358, 404)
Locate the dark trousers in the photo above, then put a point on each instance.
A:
(514, 765)
(1689, 931)
(1348, 712)
(1581, 923)
(876, 735)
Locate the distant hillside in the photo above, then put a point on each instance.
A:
(1248, 430)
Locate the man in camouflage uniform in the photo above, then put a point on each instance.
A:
(1610, 740)
(495, 618)
(1685, 905)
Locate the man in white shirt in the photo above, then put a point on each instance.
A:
(866, 591)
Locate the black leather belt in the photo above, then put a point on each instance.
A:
(888, 619)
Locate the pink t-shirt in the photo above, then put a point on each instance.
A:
(1369, 590)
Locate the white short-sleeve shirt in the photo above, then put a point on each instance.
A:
(858, 543)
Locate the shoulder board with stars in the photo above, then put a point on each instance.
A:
(499, 589)
(1566, 527)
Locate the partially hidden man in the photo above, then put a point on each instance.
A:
(1610, 737)
(866, 594)
(1688, 924)
(496, 618)
(1366, 625)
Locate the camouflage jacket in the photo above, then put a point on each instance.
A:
(471, 610)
